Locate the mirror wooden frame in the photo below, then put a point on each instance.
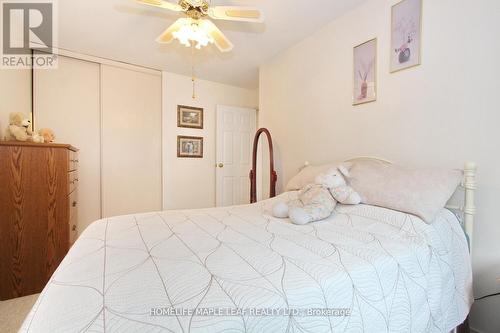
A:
(253, 173)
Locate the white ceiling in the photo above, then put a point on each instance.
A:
(126, 31)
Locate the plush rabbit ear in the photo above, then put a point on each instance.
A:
(344, 169)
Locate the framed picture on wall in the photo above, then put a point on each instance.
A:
(189, 117)
(189, 146)
(365, 72)
(406, 31)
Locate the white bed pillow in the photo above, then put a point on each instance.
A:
(421, 192)
(307, 175)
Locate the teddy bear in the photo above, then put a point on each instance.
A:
(44, 135)
(317, 201)
(37, 138)
(19, 127)
(47, 134)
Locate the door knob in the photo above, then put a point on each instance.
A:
(221, 165)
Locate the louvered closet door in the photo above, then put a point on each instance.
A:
(131, 141)
(66, 99)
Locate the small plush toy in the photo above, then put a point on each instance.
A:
(342, 192)
(37, 138)
(19, 128)
(47, 135)
(317, 201)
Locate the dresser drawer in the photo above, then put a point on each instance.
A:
(73, 160)
(73, 216)
(72, 180)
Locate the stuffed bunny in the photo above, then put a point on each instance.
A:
(317, 201)
(342, 192)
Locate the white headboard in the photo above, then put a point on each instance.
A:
(468, 208)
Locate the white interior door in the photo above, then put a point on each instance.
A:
(236, 128)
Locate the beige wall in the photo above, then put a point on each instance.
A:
(15, 95)
(190, 183)
(439, 114)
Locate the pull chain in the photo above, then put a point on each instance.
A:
(192, 71)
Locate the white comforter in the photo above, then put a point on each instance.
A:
(237, 269)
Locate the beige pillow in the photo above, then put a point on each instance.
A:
(307, 175)
(421, 192)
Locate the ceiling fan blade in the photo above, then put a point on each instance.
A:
(231, 13)
(221, 41)
(168, 35)
(161, 4)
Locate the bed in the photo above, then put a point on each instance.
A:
(238, 269)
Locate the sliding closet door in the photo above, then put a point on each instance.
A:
(66, 99)
(131, 141)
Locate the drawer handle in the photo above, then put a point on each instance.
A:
(74, 203)
(73, 228)
(74, 181)
(74, 161)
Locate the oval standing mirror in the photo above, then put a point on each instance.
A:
(262, 172)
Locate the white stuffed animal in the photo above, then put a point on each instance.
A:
(342, 192)
(317, 201)
(37, 138)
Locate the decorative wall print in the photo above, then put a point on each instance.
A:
(406, 34)
(190, 146)
(365, 72)
(189, 117)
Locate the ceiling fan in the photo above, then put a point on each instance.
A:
(198, 31)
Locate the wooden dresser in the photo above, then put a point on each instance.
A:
(38, 203)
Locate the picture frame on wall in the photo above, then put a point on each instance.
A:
(406, 35)
(189, 146)
(189, 117)
(365, 72)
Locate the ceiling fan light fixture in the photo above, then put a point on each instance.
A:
(196, 29)
(192, 33)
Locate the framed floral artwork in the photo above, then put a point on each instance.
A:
(406, 32)
(189, 146)
(189, 117)
(365, 72)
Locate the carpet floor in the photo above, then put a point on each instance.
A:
(13, 312)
